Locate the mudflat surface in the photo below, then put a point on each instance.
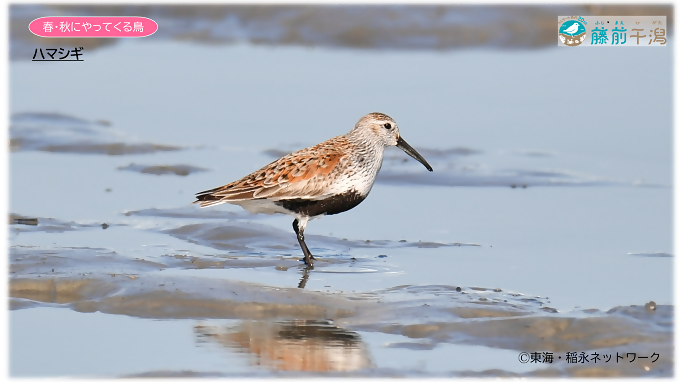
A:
(545, 228)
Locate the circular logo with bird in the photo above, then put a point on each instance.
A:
(572, 33)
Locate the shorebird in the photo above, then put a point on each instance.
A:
(327, 179)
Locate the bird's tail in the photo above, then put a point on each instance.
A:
(208, 200)
(223, 194)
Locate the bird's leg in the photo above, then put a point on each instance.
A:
(299, 227)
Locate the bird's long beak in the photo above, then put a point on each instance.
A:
(401, 143)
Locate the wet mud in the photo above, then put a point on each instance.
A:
(651, 254)
(192, 212)
(19, 224)
(469, 167)
(514, 178)
(454, 167)
(291, 329)
(59, 133)
(238, 236)
(281, 318)
(180, 170)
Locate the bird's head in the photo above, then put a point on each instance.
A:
(381, 129)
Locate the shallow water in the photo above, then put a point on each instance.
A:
(554, 224)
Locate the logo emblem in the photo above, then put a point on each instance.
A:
(572, 32)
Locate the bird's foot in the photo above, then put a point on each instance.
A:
(308, 261)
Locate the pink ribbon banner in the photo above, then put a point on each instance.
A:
(93, 26)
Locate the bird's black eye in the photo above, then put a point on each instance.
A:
(387, 126)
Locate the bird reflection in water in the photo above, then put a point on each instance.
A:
(305, 277)
(296, 345)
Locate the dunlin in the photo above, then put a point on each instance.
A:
(326, 179)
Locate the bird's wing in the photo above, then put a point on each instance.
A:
(302, 174)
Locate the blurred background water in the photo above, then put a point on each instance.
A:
(552, 178)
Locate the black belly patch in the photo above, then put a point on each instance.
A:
(329, 206)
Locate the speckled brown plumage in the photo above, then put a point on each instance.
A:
(311, 168)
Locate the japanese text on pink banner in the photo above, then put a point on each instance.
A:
(93, 26)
